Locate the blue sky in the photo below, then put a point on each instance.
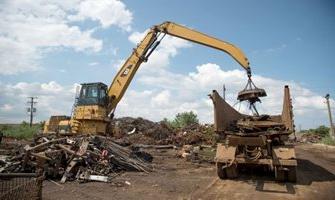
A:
(305, 28)
(285, 41)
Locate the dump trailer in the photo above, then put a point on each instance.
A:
(254, 140)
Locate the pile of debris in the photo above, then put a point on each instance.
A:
(197, 153)
(189, 152)
(83, 158)
(128, 126)
(309, 138)
(129, 130)
(196, 134)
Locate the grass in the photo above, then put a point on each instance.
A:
(207, 154)
(328, 140)
(20, 131)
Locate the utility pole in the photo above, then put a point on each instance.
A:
(224, 92)
(330, 117)
(31, 109)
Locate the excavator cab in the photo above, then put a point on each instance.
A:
(92, 94)
(89, 115)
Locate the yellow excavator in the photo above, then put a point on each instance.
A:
(94, 108)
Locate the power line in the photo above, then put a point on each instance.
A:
(31, 109)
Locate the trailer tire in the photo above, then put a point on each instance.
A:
(231, 172)
(221, 172)
(292, 174)
(279, 174)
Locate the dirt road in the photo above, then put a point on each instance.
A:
(177, 179)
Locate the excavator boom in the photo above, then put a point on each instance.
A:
(203, 39)
(151, 41)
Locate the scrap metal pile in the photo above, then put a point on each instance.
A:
(192, 134)
(309, 138)
(83, 158)
(261, 123)
(129, 130)
(140, 130)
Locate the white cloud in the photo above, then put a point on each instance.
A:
(17, 57)
(117, 64)
(107, 12)
(6, 107)
(160, 58)
(53, 99)
(136, 37)
(161, 99)
(28, 29)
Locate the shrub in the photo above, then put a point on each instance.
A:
(182, 120)
(322, 131)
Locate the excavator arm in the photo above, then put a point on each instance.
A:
(149, 44)
(200, 38)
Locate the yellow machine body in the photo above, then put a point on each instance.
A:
(91, 119)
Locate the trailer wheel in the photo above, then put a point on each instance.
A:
(221, 172)
(292, 174)
(231, 171)
(279, 174)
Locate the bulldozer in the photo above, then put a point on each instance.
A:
(256, 140)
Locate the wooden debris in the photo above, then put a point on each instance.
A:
(88, 158)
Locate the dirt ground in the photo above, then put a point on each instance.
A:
(175, 178)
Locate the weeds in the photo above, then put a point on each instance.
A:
(328, 140)
(20, 131)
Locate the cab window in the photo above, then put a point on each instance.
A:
(92, 92)
(83, 92)
(102, 93)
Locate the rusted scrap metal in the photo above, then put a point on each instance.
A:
(78, 158)
(124, 157)
(309, 138)
(146, 146)
(21, 186)
(68, 170)
(37, 147)
(86, 176)
(259, 123)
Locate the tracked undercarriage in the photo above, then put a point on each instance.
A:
(254, 140)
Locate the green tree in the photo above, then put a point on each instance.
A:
(24, 123)
(184, 119)
(321, 130)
